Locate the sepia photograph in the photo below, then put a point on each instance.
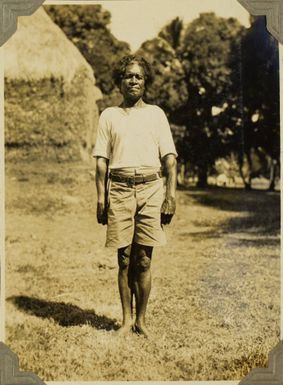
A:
(142, 191)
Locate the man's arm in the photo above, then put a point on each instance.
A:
(101, 187)
(169, 205)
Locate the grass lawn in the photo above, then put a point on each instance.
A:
(214, 310)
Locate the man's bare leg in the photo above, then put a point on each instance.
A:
(142, 285)
(125, 284)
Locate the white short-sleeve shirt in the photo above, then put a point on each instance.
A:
(134, 137)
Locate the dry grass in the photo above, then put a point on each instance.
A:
(48, 120)
(56, 56)
(214, 307)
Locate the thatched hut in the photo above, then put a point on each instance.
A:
(50, 93)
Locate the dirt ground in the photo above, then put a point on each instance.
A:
(214, 310)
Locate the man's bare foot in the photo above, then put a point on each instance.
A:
(124, 330)
(141, 330)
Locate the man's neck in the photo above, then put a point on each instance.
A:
(133, 103)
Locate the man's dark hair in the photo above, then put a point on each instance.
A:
(121, 65)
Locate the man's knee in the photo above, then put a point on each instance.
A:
(124, 257)
(143, 259)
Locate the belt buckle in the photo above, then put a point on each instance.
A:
(131, 181)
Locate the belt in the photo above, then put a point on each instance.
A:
(135, 179)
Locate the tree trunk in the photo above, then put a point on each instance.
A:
(181, 174)
(246, 180)
(273, 167)
(202, 177)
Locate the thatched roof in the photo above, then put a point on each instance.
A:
(40, 49)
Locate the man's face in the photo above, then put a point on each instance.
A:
(133, 84)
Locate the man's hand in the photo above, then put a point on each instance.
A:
(169, 205)
(101, 213)
(168, 209)
(101, 185)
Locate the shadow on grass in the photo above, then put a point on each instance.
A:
(260, 210)
(63, 313)
(233, 199)
(209, 234)
(265, 242)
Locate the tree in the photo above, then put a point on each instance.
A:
(168, 89)
(172, 32)
(87, 27)
(260, 82)
(205, 53)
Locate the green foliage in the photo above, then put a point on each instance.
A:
(168, 89)
(206, 74)
(78, 19)
(87, 27)
(205, 52)
(172, 32)
(261, 126)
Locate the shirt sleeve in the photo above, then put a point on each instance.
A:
(103, 140)
(166, 142)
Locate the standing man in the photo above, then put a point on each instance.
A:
(133, 142)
